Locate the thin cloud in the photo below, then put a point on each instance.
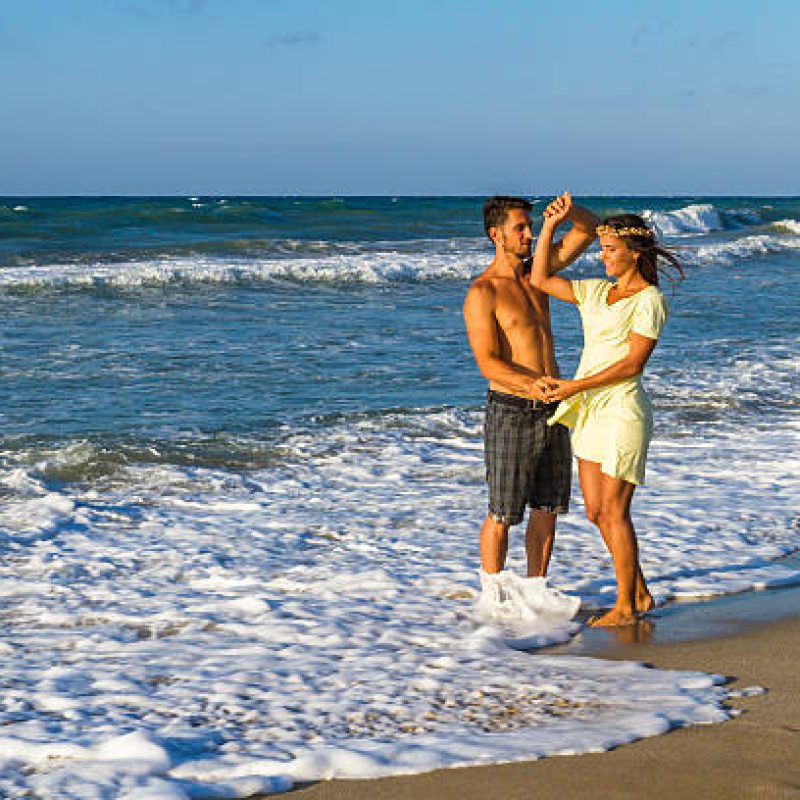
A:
(639, 34)
(757, 90)
(146, 9)
(135, 10)
(720, 40)
(297, 39)
(188, 6)
(726, 38)
(654, 29)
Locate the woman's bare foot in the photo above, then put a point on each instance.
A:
(644, 603)
(615, 618)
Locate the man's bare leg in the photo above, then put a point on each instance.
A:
(539, 537)
(494, 545)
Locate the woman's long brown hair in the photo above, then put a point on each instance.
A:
(654, 259)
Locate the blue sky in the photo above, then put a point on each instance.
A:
(407, 97)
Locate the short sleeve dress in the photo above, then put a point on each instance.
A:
(612, 425)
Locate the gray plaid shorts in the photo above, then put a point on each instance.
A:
(528, 462)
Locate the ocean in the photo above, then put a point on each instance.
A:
(241, 475)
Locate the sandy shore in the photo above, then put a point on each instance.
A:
(755, 755)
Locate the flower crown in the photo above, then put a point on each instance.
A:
(610, 230)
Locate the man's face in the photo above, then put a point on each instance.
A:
(515, 235)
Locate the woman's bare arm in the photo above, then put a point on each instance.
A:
(641, 348)
(575, 241)
(541, 275)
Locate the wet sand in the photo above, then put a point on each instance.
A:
(754, 755)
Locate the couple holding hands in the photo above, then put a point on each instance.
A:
(530, 407)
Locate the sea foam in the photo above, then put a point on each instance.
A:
(377, 267)
(692, 219)
(789, 225)
(246, 641)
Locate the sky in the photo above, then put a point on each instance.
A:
(399, 97)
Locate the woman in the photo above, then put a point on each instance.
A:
(606, 404)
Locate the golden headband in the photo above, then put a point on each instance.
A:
(609, 230)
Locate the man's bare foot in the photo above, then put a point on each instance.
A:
(615, 618)
(644, 603)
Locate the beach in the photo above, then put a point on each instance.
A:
(242, 479)
(754, 755)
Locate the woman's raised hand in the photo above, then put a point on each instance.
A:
(558, 210)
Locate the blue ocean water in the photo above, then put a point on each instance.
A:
(125, 317)
(241, 480)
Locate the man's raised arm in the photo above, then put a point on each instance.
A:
(575, 241)
(482, 332)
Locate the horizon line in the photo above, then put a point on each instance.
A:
(348, 195)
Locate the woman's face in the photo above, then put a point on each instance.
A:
(618, 258)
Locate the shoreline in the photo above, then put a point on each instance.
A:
(692, 620)
(752, 755)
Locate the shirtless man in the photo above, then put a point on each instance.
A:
(508, 324)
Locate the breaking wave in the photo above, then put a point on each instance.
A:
(695, 218)
(368, 268)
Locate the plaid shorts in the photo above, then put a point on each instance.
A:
(528, 462)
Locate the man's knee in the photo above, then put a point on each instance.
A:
(496, 525)
(541, 524)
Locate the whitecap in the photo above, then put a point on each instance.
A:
(692, 219)
(377, 267)
(789, 225)
(740, 249)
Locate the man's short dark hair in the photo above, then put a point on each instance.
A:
(495, 210)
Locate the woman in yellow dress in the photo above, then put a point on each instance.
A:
(606, 404)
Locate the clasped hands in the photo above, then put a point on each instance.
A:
(551, 390)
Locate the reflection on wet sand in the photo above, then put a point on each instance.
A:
(640, 632)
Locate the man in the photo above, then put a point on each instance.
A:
(508, 324)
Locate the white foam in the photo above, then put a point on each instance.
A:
(371, 267)
(528, 611)
(244, 639)
(692, 219)
(739, 249)
(383, 262)
(790, 225)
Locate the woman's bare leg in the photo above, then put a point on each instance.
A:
(601, 493)
(617, 527)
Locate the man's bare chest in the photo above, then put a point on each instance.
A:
(521, 309)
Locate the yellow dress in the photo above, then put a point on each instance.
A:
(612, 425)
